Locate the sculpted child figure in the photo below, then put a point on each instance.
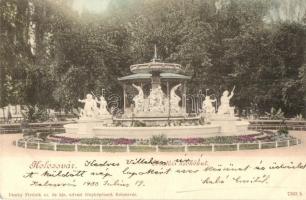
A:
(89, 107)
(207, 106)
(225, 107)
(103, 105)
(156, 100)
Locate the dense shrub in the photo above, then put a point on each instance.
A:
(36, 114)
(63, 139)
(90, 141)
(159, 140)
(139, 124)
(283, 130)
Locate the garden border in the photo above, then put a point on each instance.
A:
(156, 148)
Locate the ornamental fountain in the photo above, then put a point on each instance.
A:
(159, 107)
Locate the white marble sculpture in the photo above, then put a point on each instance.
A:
(156, 100)
(225, 108)
(103, 107)
(175, 99)
(138, 99)
(89, 107)
(207, 106)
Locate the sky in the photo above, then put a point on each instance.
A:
(96, 6)
(284, 10)
(281, 10)
(287, 10)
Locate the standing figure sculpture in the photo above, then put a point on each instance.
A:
(207, 107)
(156, 100)
(225, 107)
(89, 107)
(138, 99)
(103, 106)
(175, 99)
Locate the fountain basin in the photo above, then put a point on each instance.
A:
(230, 124)
(158, 120)
(148, 132)
(89, 130)
(95, 129)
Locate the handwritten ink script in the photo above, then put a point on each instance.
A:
(127, 176)
(130, 177)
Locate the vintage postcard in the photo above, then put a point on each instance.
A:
(152, 99)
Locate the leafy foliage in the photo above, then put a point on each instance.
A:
(275, 114)
(159, 140)
(51, 55)
(298, 117)
(35, 114)
(283, 130)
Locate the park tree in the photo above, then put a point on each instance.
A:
(51, 55)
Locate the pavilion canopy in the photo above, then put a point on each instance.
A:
(148, 76)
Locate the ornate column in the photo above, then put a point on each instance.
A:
(155, 79)
(168, 95)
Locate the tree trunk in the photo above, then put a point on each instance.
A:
(2, 64)
(304, 75)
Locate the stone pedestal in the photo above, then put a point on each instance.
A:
(230, 125)
(85, 126)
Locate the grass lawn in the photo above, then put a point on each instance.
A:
(171, 148)
(89, 148)
(231, 147)
(248, 146)
(142, 148)
(114, 148)
(293, 142)
(269, 145)
(200, 148)
(31, 145)
(65, 147)
(282, 144)
(47, 146)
